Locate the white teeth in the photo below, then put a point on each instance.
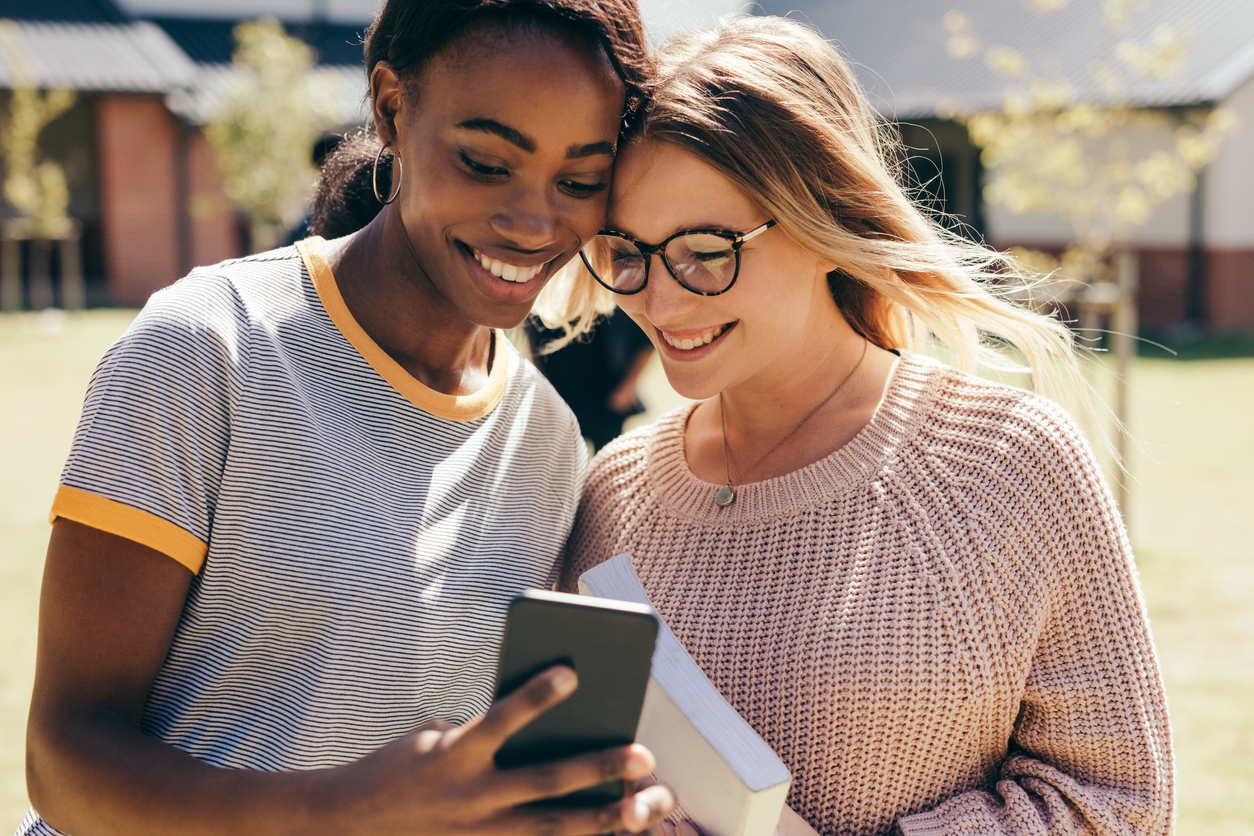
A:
(508, 272)
(688, 344)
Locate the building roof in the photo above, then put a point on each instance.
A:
(210, 44)
(135, 57)
(211, 40)
(197, 103)
(62, 11)
(900, 49)
(90, 46)
(359, 12)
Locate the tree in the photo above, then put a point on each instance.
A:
(35, 187)
(1048, 152)
(263, 133)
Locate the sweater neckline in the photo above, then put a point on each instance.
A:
(907, 397)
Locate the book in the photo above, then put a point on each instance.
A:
(726, 777)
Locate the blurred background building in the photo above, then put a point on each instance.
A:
(149, 73)
(143, 180)
(921, 62)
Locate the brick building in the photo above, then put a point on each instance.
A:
(142, 177)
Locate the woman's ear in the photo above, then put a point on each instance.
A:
(386, 100)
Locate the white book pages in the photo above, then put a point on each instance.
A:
(725, 775)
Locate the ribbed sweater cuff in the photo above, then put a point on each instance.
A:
(927, 823)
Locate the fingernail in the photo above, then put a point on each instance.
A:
(642, 812)
(639, 760)
(564, 681)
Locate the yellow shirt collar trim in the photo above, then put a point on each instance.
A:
(449, 407)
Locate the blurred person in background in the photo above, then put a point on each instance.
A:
(597, 374)
(305, 483)
(322, 149)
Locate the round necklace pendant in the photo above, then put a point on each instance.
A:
(724, 496)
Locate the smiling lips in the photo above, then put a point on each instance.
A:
(509, 272)
(687, 344)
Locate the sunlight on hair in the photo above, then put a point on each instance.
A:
(771, 104)
(570, 303)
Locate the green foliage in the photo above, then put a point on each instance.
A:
(273, 111)
(1049, 153)
(35, 188)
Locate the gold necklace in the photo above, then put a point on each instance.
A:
(726, 494)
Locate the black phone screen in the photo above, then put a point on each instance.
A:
(610, 646)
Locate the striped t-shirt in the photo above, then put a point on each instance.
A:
(356, 536)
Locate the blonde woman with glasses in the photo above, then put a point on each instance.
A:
(911, 581)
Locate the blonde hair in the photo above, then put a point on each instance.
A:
(570, 304)
(770, 104)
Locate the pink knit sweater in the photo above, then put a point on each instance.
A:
(938, 627)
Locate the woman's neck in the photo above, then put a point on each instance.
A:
(774, 400)
(397, 305)
(838, 384)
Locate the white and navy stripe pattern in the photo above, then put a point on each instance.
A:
(361, 551)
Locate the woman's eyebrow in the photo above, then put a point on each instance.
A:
(592, 149)
(526, 143)
(609, 227)
(505, 132)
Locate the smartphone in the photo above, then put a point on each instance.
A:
(610, 646)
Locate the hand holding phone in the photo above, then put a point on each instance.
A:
(441, 779)
(609, 644)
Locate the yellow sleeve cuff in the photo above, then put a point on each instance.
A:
(131, 523)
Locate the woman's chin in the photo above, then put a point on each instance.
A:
(688, 385)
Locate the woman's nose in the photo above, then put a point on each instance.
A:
(529, 222)
(665, 300)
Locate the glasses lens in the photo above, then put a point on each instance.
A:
(616, 263)
(704, 262)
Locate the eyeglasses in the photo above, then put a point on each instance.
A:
(705, 261)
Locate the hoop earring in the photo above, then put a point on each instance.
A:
(374, 178)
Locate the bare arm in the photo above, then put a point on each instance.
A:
(108, 612)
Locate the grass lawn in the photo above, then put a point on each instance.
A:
(44, 365)
(1193, 531)
(1191, 518)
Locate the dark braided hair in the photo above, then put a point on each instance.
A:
(408, 33)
